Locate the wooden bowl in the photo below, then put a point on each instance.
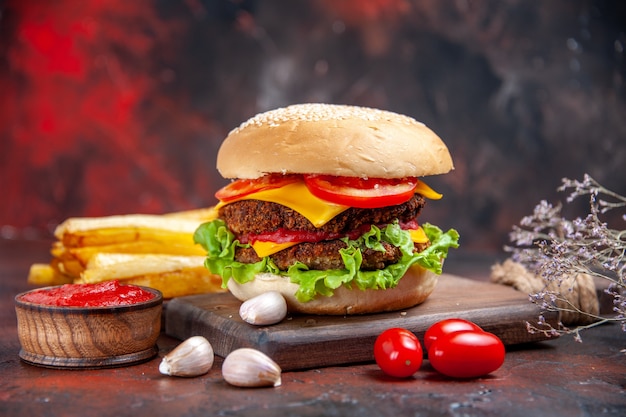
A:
(88, 337)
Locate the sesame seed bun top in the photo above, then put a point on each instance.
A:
(333, 140)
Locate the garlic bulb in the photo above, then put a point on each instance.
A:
(264, 309)
(247, 367)
(193, 357)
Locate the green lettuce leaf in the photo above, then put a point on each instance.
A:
(220, 245)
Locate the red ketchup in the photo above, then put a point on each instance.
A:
(105, 294)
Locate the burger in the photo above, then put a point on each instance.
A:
(323, 207)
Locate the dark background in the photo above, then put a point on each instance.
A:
(119, 106)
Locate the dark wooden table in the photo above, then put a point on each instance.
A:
(556, 378)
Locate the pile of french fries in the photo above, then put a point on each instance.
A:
(156, 251)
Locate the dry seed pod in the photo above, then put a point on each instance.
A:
(193, 357)
(247, 367)
(264, 309)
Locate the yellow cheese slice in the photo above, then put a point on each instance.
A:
(418, 235)
(297, 197)
(264, 249)
(426, 191)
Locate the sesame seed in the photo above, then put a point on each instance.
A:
(315, 112)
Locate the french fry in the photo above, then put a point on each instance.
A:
(69, 267)
(188, 281)
(98, 231)
(107, 266)
(83, 255)
(172, 275)
(102, 237)
(44, 275)
(174, 223)
(157, 251)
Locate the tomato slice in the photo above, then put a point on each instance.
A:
(243, 187)
(361, 192)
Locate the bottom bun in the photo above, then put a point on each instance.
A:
(412, 289)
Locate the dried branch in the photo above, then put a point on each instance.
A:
(557, 249)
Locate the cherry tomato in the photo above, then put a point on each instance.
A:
(447, 326)
(467, 354)
(398, 352)
(361, 192)
(243, 187)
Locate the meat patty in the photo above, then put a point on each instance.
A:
(323, 255)
(254, 216)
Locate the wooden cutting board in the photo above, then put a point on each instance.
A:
(307, 341)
